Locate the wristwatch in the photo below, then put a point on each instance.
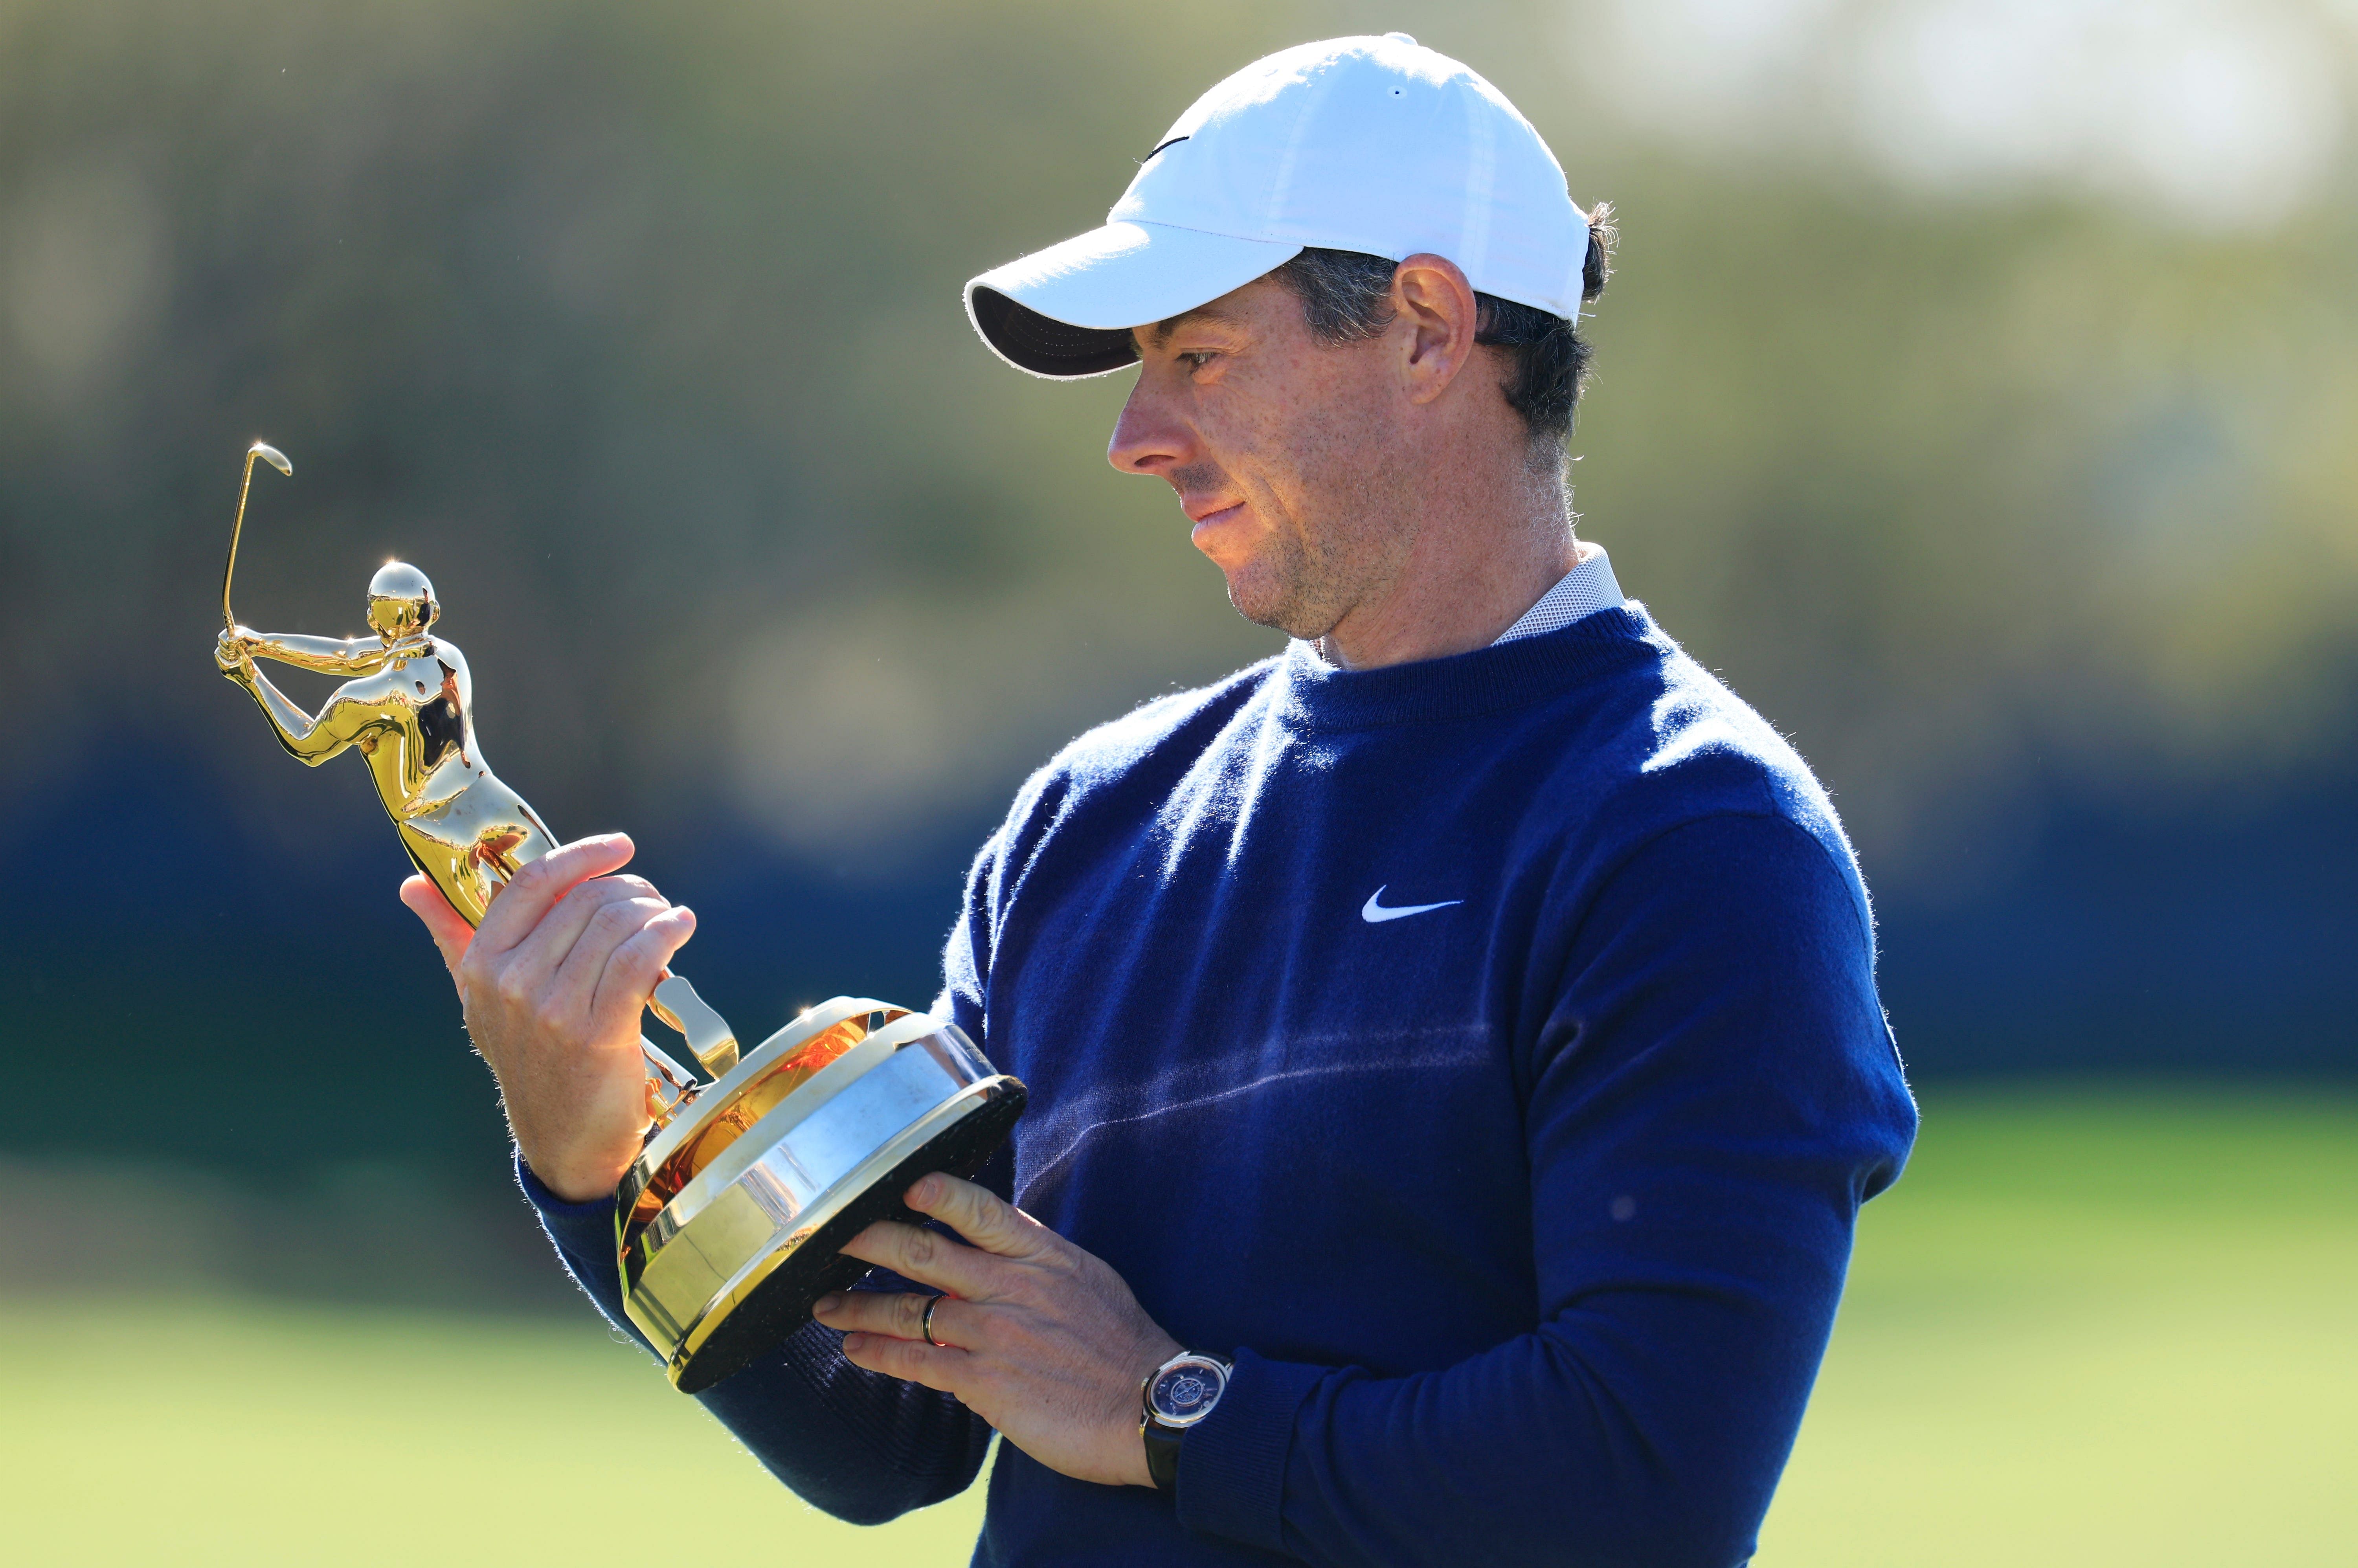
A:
(1174, 1397)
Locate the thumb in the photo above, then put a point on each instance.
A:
(444, 924)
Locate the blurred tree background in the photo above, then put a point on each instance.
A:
(1978, 393)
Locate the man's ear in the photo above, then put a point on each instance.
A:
(1434, 303)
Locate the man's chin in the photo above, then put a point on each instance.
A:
(1273, 605)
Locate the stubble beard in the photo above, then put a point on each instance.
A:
(1302, 584)
(1345, 542)
(1313, 571)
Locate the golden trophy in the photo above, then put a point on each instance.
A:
(729, 1224)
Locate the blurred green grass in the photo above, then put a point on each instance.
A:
(2094, 1324)
(194, 1431)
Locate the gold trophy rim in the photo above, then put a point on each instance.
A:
(765, 1131)
(860, 1181)
(723, 1092)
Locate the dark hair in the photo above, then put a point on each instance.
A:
(1347, 296)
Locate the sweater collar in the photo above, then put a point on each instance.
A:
(1315, 695)
(1589, 587)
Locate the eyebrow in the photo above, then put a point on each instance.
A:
(1163, 330)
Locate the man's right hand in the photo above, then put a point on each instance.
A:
(553, 986)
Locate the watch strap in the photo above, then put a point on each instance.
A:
(1162, 1454)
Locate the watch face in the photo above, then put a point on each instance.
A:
(1185, 1390)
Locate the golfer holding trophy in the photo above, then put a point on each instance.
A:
(1453, 1057)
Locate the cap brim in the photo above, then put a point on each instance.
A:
(1068, 311)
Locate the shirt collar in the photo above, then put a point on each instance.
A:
(1584, 590)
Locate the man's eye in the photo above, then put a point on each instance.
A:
(1199, 358)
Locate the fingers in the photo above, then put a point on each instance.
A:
(444, 924)
(900, 1316)
(929, 1258)
(629, 975)
(886, 1333)
(980, 1215)
(911, 1361)
(996, 1228)
(536, 890)
(577, 935)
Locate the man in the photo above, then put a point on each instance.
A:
(1455, 1056)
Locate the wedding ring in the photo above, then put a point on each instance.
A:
(925, 1325)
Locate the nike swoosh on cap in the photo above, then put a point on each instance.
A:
(1374, 912)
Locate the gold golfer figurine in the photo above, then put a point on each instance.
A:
(409, 710)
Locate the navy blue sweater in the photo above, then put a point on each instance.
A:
(1524, 1217)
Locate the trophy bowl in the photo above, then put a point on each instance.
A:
(728, 1227)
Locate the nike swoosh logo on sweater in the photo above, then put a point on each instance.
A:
(1374, 912)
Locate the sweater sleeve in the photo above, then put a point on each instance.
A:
(1711, 1093)
(863, 1446)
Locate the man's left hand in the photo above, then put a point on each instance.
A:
(1044, 1341)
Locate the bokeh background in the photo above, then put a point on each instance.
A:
(1978, 393)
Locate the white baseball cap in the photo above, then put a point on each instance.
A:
(1376, 144)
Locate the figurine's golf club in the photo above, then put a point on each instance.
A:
(275, 458)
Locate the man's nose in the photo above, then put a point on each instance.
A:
(1148, 437)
